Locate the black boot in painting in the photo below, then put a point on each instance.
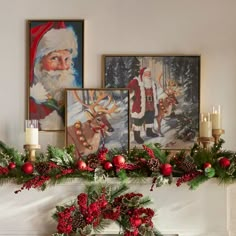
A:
(137, 137)
(150, 133)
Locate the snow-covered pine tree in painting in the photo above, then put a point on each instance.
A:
(178, 90)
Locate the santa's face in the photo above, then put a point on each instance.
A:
(57, 60)
(54, 81)
(147, 79)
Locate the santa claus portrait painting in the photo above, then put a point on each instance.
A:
(55, 64)
(164, 97)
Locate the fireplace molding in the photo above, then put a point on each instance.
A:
(206, 211)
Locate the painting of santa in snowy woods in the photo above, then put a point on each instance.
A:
(164, 97)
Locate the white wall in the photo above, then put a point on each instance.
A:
(203, 27)
(179, 27)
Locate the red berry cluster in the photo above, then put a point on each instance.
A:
(95, 211)
(36, 182)
(3, 170)
(65, 220)
(187, 177)
(149, 151)
(102, 154)
(64, 172)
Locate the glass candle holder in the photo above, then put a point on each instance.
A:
(205, 125)
(31, 132)
(216, 117)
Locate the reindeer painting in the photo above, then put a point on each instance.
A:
(93, 117)
(167, 101)
(177, 79)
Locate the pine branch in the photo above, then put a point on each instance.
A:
(118, 191)
(157, 232)
(197, 181)
(160, 154)
(102, 225)
(122, 175)
(203, 156)
(12, 153)
(145, 201)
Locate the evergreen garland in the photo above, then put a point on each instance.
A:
(59, 165)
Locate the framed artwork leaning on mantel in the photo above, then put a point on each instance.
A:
(97, 119)
(164, 96)
(55, 49)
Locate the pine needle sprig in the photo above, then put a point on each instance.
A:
(157, 232)
(144, 201)
(162, 155)
(203, 156)
(12, 153)
(194, 184)
(104, 223)
(217, 146)
(118, 191)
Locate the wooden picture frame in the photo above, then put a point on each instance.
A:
(97, 119)
(164, 108)
(56, 62)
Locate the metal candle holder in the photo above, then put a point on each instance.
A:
(31, 149)
(205, 141)
(216, 133)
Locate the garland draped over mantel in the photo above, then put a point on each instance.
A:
(193, 167)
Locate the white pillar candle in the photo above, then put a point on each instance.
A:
(31, 132)
(205, 126)
(216, 117)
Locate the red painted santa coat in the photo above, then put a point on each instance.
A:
(137, 93)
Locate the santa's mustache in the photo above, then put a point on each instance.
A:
(56, 81)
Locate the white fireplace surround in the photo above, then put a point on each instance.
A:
(207, 211)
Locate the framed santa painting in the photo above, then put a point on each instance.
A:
(164, 97)
(56, 58)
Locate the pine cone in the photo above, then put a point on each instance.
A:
(78, 221)
(187, 165)
(93, 161)
(42, 168)
(153, 164)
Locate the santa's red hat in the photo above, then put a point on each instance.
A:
(49, 37)
(141, 72)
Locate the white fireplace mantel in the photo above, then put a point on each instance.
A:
(207, 211)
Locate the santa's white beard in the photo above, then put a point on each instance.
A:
(55, 82)
(147, 81)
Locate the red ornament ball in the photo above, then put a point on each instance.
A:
(137, 222)
(81, 165)
(104, 204)
(118, 160)
(108, 165)
(166, 169)
(11, 165)
(206, 165)
(28, 168)
(224, 162)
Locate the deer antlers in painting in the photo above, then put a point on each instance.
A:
(86, 136)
